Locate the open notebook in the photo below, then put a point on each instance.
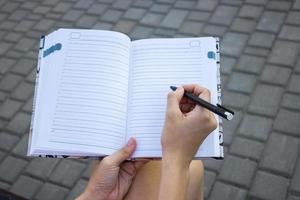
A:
(95, 89)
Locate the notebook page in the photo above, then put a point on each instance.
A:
(88, 100)
(157, 64)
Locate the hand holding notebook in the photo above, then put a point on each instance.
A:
(96, 89)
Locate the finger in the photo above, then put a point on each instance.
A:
(174, 99)
(194, 88)
(199, 110)
(186, 107)
(124, 153)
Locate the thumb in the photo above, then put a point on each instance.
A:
(174, 99)
(124, 153)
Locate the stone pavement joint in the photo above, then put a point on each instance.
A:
(260, 67)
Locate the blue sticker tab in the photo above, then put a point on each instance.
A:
(51, 49)
(211, 55)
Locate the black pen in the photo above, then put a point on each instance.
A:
(218, 109)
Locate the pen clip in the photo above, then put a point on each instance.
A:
(225, 109)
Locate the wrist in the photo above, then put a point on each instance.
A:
(87, 195)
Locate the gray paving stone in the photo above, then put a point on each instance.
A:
(280, 154)
(67, 172)
(255, 51)
(294, 83)
(23, 91)
(7, 25)
(73, 15)
(293, 18)
(83, 4)
(213, 165)
(262, 39)
(77, 189)
(152, 19)
(24, 25)
(160, 8)
(288, 122)
(224, 15)
(214, 30)
(199, 15)
(271, 21)
(251, 64)
(184, 4)
(208, 5)
(42, 9)
(122, 4)
(24, 66)
(135, 13)
(191, 27)
(243, 25)
(86, 21)
(143, 3)
(97, 9)
(266, 99)
(296, 5)
(227, 64)
(26, 186)
(25, 44)
(103, 26)
(124, 26)
(241, 82)
(62, 7)
(233, 43)
(260, 2)
(290, 33)
(9, 108)
(21, 148)
(277, 5)
(209, 179)
(111, 15)
(6, 64)
(291, 101)
(19, 124)
(18, 15)
(247, 148)
(227, 192)
(292, 197)
(141, 32)
(235, 100)
(238, 171)
(50, 191)
(276, 75)
(261, 186)
(9, 7)
(174, 19)
(44, 25)
(7, 141)
(295, 184)
(31, 76)
(29, 5)
(5, 46)
(28, 106)
(10, 168)
(13, 37)
(41, 167)
(255, 127)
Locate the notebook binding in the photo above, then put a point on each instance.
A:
(219, 96)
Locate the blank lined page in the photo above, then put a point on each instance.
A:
(156, 64)
(92, 87)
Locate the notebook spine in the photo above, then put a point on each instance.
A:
(219, 96)
(41, 47)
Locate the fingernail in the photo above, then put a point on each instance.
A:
(130, 142)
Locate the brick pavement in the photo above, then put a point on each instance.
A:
(260, 75)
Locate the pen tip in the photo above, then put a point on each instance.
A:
(173, 88)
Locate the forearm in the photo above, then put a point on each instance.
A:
(174, 181)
